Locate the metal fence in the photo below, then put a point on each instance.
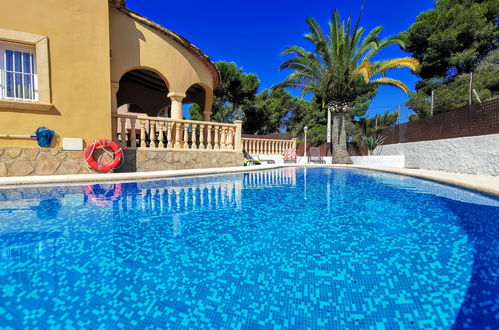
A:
(479, 119)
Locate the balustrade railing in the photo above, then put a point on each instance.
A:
(155, 201)
(267, 146)
(134, 132)
(275, 177)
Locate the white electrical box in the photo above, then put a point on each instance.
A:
(72, 144)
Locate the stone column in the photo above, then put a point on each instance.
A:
(207, 107)
(206, 116)
(238, 144)
(114, 109)
(176, 97)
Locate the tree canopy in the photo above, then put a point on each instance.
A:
(341, 67)
(236, 89)
(342, 70)
(453, 93)
(452, 40)
(267, 113)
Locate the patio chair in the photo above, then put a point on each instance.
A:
(265, 160)
(315, 156)
(250, 160)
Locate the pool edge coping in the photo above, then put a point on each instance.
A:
(468, 181)
(461, 180)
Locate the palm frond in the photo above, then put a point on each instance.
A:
(295, 50)
(369, 42)
(403, 62)
(340, 68)
(391, 82)
(382, 44)
(365, 70)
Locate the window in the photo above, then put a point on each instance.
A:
(18, 79)
(24, 72)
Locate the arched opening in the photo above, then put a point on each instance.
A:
(196, 95)
(143, 91)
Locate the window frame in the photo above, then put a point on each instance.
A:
(23, 49)
(14, 40)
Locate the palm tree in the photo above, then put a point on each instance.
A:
(341, 69)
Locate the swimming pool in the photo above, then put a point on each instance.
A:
(288, 247)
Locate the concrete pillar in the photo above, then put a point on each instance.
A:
(207, 106)
(238, 142)
(114, 99)
(206, 116)
(176, 97)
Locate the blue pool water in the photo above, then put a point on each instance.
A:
(282, 248)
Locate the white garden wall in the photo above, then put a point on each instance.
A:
(473, 155)
(385, 161)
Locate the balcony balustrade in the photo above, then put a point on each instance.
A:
(156, 133)
(255, 146)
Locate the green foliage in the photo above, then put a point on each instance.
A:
(267, 113)
(454, 93)
(341, 68)
(195, 112)
(341, 72)
(310, 114)
(371, 142)
(236, 89)
(453, 37)
(277, 110)
(361, 104)
(317, 134)
(371, 125)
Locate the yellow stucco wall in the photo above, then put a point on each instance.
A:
(78, 47)
(134, 45)
(82, 37)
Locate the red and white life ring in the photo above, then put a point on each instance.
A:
(118, 155)
(102, 198)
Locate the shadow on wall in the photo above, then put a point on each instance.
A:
(144, 90)
(125, 49)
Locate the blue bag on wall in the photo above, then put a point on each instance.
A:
(44, 137)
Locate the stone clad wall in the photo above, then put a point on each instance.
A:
(41, 161)
(47, 161)
(148, 160)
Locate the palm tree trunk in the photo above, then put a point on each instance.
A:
(339, 140)
(328, 142)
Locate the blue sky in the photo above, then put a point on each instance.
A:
(253, 33)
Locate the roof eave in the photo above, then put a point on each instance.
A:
(120, 5)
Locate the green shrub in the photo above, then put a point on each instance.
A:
(371, 142)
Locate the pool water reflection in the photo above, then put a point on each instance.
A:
(287, 247)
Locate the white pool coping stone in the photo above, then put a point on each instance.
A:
(482, 183)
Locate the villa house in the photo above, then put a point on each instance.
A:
(97, 70)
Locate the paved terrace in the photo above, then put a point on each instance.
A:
(482, 183)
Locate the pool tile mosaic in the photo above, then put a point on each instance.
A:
(283, 248)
